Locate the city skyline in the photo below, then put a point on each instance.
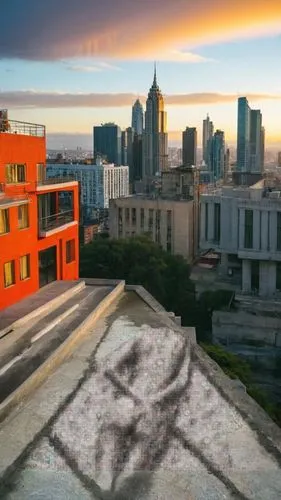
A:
(95, 65)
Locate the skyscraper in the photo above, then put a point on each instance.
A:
(216, 159)
(155, 143)
(189, 146)
(262, 148)
(107, 142)
(255, 165)
(208, 130)
(137, 117)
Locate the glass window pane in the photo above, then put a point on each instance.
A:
(4, 221)
(9, 273)
(23, 216)
(25, 267)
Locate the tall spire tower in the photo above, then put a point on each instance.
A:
(155, 149)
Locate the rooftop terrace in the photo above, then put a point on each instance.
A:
(22, 128)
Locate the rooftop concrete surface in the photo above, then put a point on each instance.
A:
(139, 412)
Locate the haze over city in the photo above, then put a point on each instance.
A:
(77, 64)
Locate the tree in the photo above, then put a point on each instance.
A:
(140, 261)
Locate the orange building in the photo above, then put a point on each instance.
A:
(38, 216)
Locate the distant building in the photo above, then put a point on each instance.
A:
(279, 159)
(255, 141)
(208, 130)
(243, 224)
(98, 184)
(137, 117)
(262, 148)
(155, 140)
(189, 147)
(107, 143)
(168, 222)
(124, 147)
(136, 170)
(87, 233)
(180, 182)
(216, 150)
(250, 139)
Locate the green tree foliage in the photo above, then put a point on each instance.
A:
(233, 366)
(139, 261)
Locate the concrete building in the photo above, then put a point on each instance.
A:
(137, 117)
(189, 146)
(98, 183)
(208, 130)
(168, 222)
(244, 226)
(155, 139)
(180, 182)
(108, 143)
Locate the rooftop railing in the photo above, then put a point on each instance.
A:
(21, 128)
(56, 220)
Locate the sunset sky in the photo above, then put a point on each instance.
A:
(71, 64)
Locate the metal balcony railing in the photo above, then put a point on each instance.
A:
(55, 180)
(55, 221)
(21, 128)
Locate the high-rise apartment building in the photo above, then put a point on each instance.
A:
(38, 216)
(262, 148)
(255, 141)
(208, 130)
(155, 142)
(98, 183)
(124, 147)
(250, 139)
(243, 135)
(216, 161)
(137, 117)
(108, 143)
(189, 146)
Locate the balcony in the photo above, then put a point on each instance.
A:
(55, 222)
(21, 128)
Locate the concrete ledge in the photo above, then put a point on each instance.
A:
(48, 306)
(146, 297)
(64, 351)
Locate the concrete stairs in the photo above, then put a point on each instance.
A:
(30, 340)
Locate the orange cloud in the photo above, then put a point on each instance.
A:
(126, 29)
(27, 99)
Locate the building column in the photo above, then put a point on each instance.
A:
(264, 231)
(246, 276)
(267, 278)
(273, 231)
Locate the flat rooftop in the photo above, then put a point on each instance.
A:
(139, 411)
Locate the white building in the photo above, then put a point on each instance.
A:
(244, 226)
(98, 183)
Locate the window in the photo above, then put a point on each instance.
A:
(24, 267)
(248, 235)
(23, 216)
(70, 251)
(9, 273)
(278, 276)
(134, 216)
(217, 221)
(150, 219)
(278, 230)
(142, 218)
(158, 218)
(127, 215)
(206, 221)
(41, 172)
(169, 230)
(15, 173)
(4, 221)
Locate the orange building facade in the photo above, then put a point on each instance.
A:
(38, 216)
